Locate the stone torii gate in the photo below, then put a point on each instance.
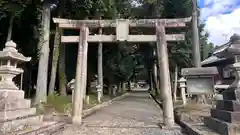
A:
(122, 35)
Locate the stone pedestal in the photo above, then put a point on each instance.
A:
(16, 115)
(225, 118)
(16, 112)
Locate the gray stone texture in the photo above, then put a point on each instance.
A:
(226, 117)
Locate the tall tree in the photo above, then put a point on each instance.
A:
(55, 56)
(13, 9)
(41, 90)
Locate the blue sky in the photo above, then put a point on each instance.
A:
(222, 19)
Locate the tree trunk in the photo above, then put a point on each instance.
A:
(155, 85)
(55, 56)
(10, 27)
(61, 71)
(165, 76)
(89, 89)
(30, 84)
(155, 75)
(129, 85)
(41, 91)
(57, 43)
(150, 80)
(109, 89)
(175, 84)
(123, 87)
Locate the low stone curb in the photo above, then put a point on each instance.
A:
(86, 113)
(89, 111)
(189, 129)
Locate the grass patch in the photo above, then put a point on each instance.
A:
(93, 99)
(59, 103)
(63, 104)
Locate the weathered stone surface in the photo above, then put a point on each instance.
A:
(46, 128)
(11, 94)
(197, 129)
(230, 94)
(223, 128)
(228, 105)
(199, 71)
(227, 116)
(19, 113)
(15, 111)
(10, 104)
(19, 124)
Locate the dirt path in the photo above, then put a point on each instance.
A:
(136, 114)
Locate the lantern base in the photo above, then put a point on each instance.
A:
(11, 94)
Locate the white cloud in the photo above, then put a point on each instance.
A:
(216, 7)
(222, 19)
(222, 26)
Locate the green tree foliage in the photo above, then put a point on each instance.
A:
(122, 61)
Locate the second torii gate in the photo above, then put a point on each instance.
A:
(122, 34)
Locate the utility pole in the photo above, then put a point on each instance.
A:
(196, 44)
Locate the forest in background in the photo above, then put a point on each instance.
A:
(21, 22)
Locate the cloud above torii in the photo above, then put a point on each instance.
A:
(222, 19)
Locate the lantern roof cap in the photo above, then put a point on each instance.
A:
(10, 53)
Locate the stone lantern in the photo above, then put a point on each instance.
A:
(99, 90)
(225, 118)
(9, 58)
(16, 114)
(182, 86)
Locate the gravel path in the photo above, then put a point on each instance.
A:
(136, 114)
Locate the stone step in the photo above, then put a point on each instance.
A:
(19, 124)
(8, 104)
(18, 113)
(45, 128)
(228, 116)
(228, 105)
(222, 127)
(230, 94)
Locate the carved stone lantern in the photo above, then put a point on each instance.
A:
(98, 87)
(9, 58)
